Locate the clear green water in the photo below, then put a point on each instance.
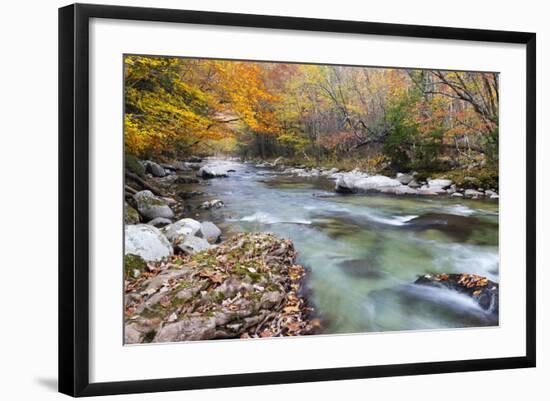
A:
(365, 251)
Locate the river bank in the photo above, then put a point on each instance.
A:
(364, 252)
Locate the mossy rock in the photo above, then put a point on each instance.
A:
(131, 216)
(133, 266)
(132, 164)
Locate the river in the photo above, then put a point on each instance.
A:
(364, 251)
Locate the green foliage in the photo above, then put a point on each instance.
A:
(133, 264)
(132, 164)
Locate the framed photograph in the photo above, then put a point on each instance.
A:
(249, 199)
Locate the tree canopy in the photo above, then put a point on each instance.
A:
(408, 118)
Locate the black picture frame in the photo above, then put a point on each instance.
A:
(74, 198)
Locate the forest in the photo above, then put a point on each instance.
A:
(378, 119)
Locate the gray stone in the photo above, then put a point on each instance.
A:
(154, 169)
(214, 203)
(404, 179)
(188, 329)
(192, 245)
(146, 241)
(359, 182)
(210, 232)
(151, 206)
(457, 195)
(178, 231)
(208, 172)
(440, 183)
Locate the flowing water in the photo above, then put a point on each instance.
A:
(365, 251)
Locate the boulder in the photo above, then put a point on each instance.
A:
(147, 242)
(210, 232)
(414, 184)
(357, 182)
(178, 231)
(154, 169)
(404, 179)
(159, 222)
(457, 195)
(208, 172)
(192, 245)
(151, 206)
(193, 159)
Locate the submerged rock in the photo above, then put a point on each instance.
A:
(208, 295)
(479, 288)
(147, 242)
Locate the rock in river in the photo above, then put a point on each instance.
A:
(211, 172)
(214, 203)
(360, 182)
(151, 206)
(146, 241)
(479, 288)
